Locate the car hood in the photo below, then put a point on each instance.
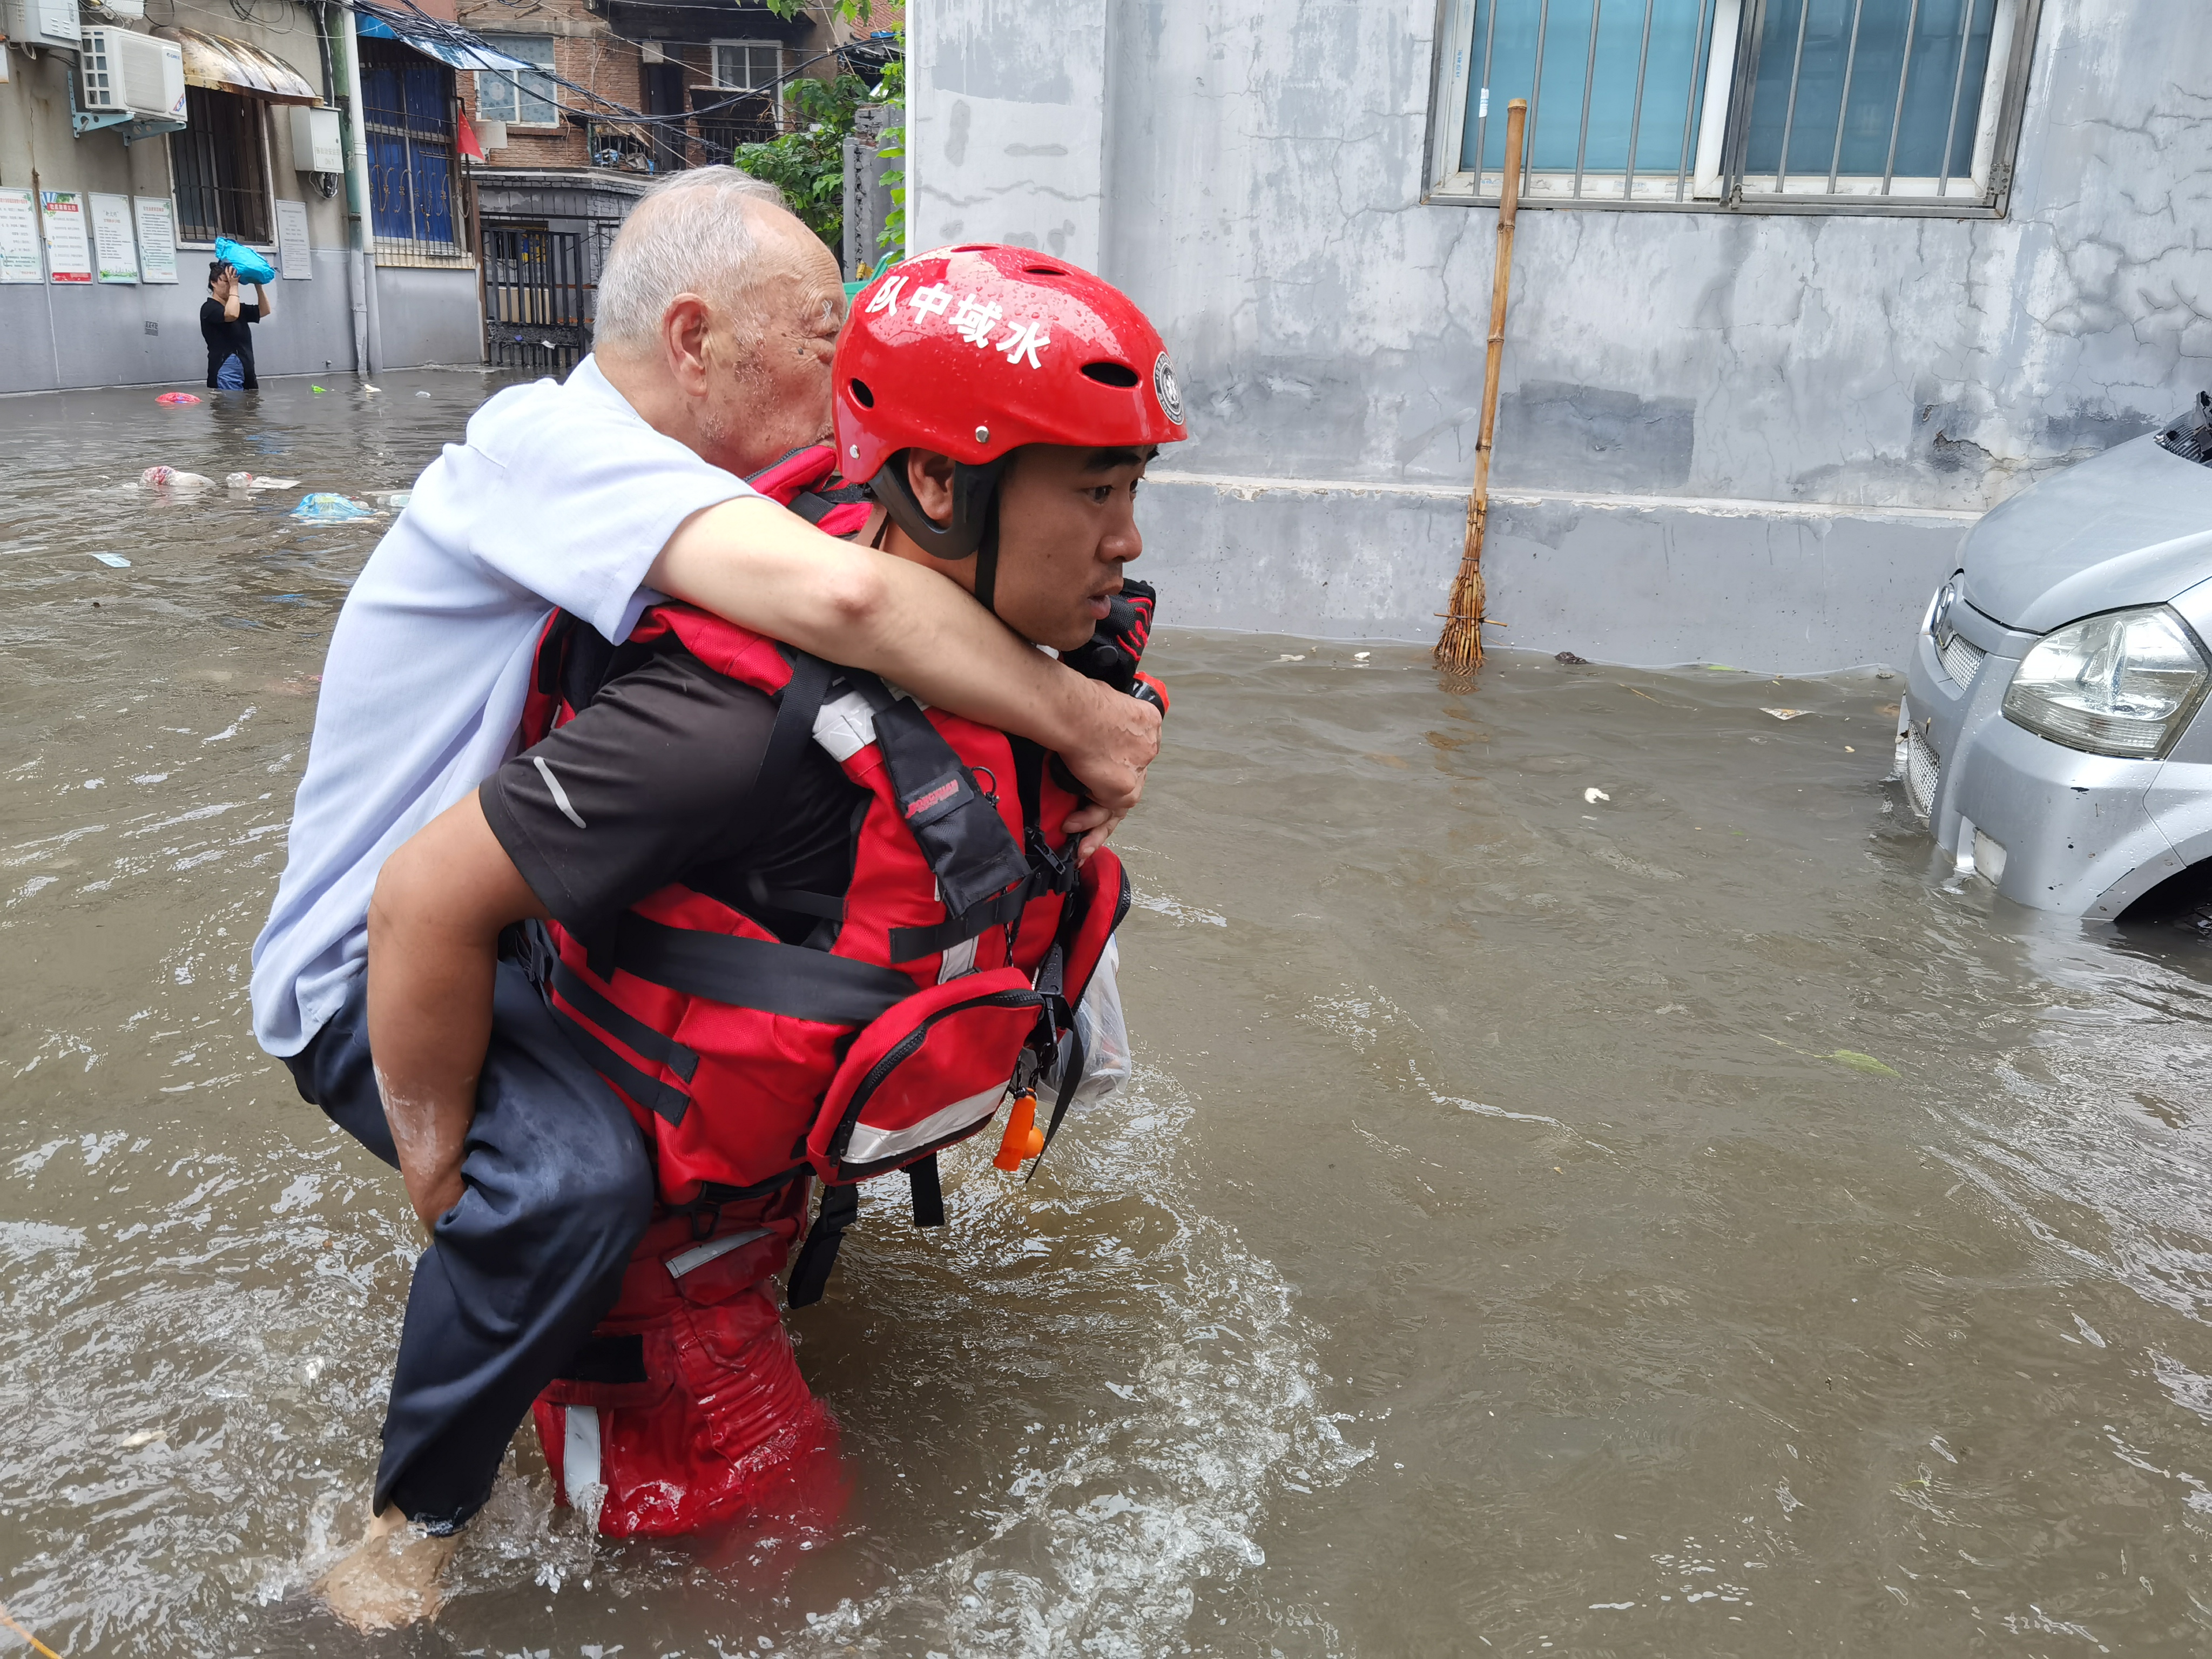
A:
(2130, 526)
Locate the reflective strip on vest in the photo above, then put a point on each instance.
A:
(580, 1453)
(844, 725)
(700, 1254)
(869, 1146)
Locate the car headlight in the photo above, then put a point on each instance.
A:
(2123, 684)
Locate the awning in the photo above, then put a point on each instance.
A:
(222, 64)
(450, 45)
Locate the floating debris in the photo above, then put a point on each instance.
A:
(114, 561)
(1570, 659)
(1592, 797)
(1783, 714)
(1859, 1062)
(175, 398)
(324, 507)
(167, 477)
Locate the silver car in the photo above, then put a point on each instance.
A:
(2054, 732)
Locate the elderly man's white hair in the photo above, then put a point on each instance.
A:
(688, 234)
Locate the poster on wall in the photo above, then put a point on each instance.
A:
(19, 238)
(113, 245)
(157, 239)
(69, 247)
(293, 257)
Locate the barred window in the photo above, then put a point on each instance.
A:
(1867, 106)
(223, 183)
(409, 110)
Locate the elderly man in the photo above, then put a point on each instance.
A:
(718, 316)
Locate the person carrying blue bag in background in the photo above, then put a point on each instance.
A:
(224, 318)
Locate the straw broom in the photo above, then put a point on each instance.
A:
(1459, 652)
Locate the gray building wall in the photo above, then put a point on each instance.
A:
(1751, 438)
(77, 334)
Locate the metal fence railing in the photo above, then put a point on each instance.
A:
(1885, 105)
(538, 298)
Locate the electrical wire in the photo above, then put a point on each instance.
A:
(438, 29)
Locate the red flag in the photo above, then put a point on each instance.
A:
(468, 145)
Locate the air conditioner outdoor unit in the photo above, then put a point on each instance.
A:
(43, 23)
(132, 73)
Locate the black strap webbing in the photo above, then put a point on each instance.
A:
(757, 973)
(796, 706)
(587, 1000)
(810, 1274)
(1070, 1075)
(909, 943)
(927, 1191)
(796, 900)
(647, 1091)
(608, 1359)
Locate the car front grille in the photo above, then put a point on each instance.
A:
(1961, 661)
(1922, 767)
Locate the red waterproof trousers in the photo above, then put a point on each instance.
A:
(687, 1406)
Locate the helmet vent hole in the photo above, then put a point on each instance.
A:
(1043, 271)
(861, 395)
(1111, 374)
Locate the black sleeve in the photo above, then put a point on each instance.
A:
(650, 779)
(247, 313)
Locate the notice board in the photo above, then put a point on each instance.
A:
(19, 238)
(113, 246)
(68, 245)
(293, 258)
(157, 239)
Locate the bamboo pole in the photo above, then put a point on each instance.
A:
(1459, 652)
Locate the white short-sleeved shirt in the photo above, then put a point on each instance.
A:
(561, 496)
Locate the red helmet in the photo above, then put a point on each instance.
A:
(975, 351)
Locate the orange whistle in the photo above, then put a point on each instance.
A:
(1022, 1139)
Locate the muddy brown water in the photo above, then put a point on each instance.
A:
(1676, 1223)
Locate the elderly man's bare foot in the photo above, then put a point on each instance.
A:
(390, 1578)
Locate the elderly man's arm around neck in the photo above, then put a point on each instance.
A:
(761, 566)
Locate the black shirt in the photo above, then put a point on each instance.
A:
(655, 784)
(225, 338)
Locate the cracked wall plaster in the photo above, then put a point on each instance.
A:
(1257, 184)
(1252, 173)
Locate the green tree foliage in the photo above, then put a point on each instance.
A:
(808, 166)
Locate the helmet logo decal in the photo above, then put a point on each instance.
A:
(1165, 389)
(974, 321)
(1028, 339)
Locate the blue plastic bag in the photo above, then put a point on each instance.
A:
(323, 507)
(249, 266)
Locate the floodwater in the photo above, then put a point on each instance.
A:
(1681, 1221)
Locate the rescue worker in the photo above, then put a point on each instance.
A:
(806, 929)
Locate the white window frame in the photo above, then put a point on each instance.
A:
(783, 69)
(1731, 64)
(510, 83)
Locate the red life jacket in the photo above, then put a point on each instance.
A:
(965, 938)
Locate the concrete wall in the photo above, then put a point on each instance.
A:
(70, 335)
(1852, 389)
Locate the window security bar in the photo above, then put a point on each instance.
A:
(1907, 106)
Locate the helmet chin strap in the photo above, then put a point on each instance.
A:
(973, 527)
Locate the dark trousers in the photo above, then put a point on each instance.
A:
(558, 1191)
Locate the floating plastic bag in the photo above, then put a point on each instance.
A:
(173, 398)
(323, 507)
(167, 477)
(249, 266)
(1105, 1032)
(258, 481)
